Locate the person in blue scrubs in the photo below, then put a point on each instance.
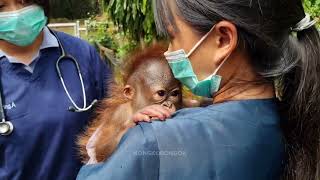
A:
(42, 145)
(232, 51)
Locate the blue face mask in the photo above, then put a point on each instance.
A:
(182, 70)
(23, 26)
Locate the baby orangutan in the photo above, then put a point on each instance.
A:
(149, 92)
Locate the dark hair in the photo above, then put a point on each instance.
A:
(277, 54)
(45, 4)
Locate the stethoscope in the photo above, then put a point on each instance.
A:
(6, 127)
(64, 56)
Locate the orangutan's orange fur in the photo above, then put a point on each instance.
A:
(113, 125)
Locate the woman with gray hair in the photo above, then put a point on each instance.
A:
(259, 61)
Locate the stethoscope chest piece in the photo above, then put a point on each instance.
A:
(6, 128)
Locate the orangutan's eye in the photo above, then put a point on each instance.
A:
(1, 6)
(161, 93)
(175, 93)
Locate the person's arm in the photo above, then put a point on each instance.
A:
(102, 72)
(136, 158)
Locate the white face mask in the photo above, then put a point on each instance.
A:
(182, 70)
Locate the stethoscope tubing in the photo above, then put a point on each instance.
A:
(6, 127)
(65, 56)
(64, 85)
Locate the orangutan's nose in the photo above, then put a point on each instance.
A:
(167, 104)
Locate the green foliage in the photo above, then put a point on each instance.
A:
(73, 9)
(134, 23)
(98, 33)
(102, 30)
(134, 17)
(313, 7)
(125, 48)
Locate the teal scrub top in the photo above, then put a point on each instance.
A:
(233, 140)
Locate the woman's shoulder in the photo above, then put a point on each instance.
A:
(254, 111)
(200, 137)
(236, 135)
(233, 122)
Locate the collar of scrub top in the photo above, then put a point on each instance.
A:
(49, 41)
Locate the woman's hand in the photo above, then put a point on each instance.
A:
(151, 113)
(203, 102)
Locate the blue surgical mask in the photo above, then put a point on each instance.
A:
(182, 70)
(23, 26)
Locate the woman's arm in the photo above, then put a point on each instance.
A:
(135, 158)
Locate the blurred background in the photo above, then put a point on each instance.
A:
(115, 27)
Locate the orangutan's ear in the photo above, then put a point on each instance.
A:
(128, 92)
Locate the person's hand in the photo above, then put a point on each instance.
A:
(190, 103)
(203, 102)
(151, 113)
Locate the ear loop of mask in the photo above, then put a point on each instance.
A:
(218, 68)
(199, 43)
(221, 64)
